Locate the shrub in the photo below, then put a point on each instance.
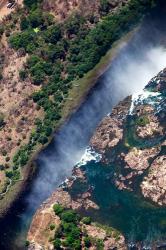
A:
(9, 174)
(99, 244)
(69, 241)
(43, 139)
(23, 39)
(87, 241)
(77, 245)
(2, 123)
(52, 227)
(1, 76)
(22, 74)
(7, 159)
(32, 60)
(69, 216)
(36, 18)
(75, 232)
(142, 121)
(53, 34)
(30, 3)
(4, 152)
(1, 31)
(27, 243)
(58, 209)
(67, 227)
(38, 77)
(48, 131)
(16, 175)
(104, 6)
(57, 244)
(24, 23)
(86, 220)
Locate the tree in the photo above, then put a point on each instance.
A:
(48, 131)
(36, 18)
(24, 23)
(104, 6)
(69, 216)
(43, 139)
(30, 3)
(23, 39)
(32, 60)
(9, 174)
(23, 158)
(53, 34)
(38, 77)
(38, 95)
(73, 24)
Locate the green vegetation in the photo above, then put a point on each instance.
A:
(52, 227)
(14, 175)
(27, 243)
(72, 231)
(58, 209)
(69, 229)
(57, 244)
(87, 241)
(1, 31)
(1, 56)
(142, 121)
(31, 4)
(1, 120)
(86, 220)
(60, 54)
(22, 74)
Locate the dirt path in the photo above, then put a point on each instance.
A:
(4, 11)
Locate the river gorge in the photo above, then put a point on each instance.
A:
(137, 62)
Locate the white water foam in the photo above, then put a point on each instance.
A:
(89, 155)
(144, 95)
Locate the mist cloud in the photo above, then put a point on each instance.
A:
(129, 73)
(137, 62)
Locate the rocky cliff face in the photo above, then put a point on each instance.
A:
(133, 140)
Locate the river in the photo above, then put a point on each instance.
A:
(137, 62)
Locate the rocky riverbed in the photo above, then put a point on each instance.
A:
(130, 144)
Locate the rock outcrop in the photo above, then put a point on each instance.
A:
(154, 184)
(40, 234)
(135, 137)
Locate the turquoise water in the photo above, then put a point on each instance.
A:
(130, 213)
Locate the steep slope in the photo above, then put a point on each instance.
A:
(43, 67)
(63, 9)
(129, 155)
